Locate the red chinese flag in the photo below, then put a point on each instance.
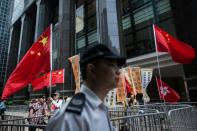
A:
(57, 76)
(44, 80)
(180, 51)
(166, 92)
(35, 61)
(39, 83)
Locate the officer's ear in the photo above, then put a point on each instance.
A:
(91, 70)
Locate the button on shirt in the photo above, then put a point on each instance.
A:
(94, 116)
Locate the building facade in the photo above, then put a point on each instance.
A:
(18, 8)
(123, 25)
(5, 12)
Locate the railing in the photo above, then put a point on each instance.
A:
(164, 107)
(21, 127)
(24, 124)
(129, 111)
(183, 119)
(21, 108)
(10, 117)
(176, 117)
(144, 122)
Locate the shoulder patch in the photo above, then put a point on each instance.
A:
(76, 104)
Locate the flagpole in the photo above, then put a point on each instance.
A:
(79, 72)
(135, 93)
(63, 85)
(158, 64)
(51, 63)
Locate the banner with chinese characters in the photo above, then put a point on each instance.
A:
(136, 78)
(120, 88)
(146, 75)
(110, 99)
(74, 60)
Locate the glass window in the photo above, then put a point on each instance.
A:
(91, 23)
(79, 3)
(91, 9)
(79, 18)
(137, 20)
(126, 22)
(92, 37)
(86, 23)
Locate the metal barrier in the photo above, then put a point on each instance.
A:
(183, 119)
(188, 103)
(21, 127)
(144, 122)
(161, 107)
(175, 117)
(21, 108)
(129, 111)
(23, 124)
(9, 117)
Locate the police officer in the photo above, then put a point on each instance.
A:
(86, 110)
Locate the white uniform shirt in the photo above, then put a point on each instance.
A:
(94, 116)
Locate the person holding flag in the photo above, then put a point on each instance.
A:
(56, 102)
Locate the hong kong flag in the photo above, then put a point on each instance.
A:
(35, 61)
(179, 51)
(166, 92)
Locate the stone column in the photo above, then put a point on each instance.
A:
(42, 17)
(13, 49)
(10, 38)
(107, 24)
(26, 36)
(23, 36)
(67, 35)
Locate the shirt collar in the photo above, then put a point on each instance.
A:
(93, 99)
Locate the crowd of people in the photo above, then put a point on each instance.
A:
(44, 107)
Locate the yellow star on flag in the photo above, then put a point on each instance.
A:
(39, 54)
(44, 40)
(32, 52)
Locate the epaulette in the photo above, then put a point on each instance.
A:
(76, 104)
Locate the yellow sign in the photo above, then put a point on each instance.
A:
(120, 88)
(76, 71)
(136, 76)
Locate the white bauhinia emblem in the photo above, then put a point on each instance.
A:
(164, 90)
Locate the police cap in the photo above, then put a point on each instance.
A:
(100, 51)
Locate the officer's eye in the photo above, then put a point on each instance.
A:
(113, 65)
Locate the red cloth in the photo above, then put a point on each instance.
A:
(128, 87)
(57, 76)
(35, 61)
(44, 80)
(180, 51)
(39, 83)
(166, 92)
(53, 107)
